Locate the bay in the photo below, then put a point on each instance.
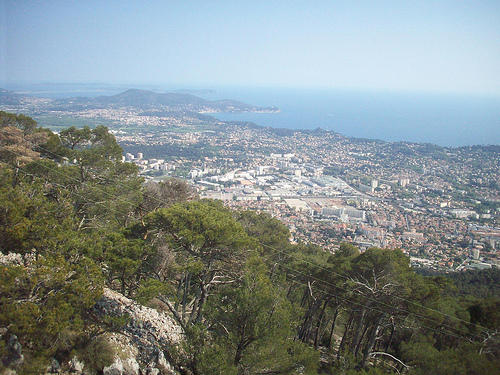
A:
(443, 119)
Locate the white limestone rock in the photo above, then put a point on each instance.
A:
(116, 368)
(76, 366)
(140, 343)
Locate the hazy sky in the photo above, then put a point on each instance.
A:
(450, 46)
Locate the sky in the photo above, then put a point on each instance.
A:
(418, 45)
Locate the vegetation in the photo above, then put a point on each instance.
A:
(75, 219)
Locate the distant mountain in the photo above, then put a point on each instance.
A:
(11, 98)
(144, 99)
(141, 100)
(196, 92)
(148, 99)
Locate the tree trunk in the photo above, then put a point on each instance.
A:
(359, 327)
(305, 328)
(371, 340)
(238, 355)
(393, 328)
(196, 313)
(317, 335)
(305, 296)
(358, 346)
(239, 348)
(187, 284)
(344, 336)
(335, 315)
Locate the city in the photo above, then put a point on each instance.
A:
(250, 187)
(439, 205)
(436, 204)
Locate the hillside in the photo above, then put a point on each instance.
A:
(11, 98)
(103, 274)
(133, 99)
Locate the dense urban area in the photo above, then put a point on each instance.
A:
(440, 205)
(312, 253)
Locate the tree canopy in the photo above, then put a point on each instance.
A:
(75, 219)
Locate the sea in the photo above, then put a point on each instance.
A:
(443, 119)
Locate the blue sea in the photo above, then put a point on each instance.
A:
(443, 119)
(446, 120)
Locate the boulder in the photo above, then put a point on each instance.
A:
(11, 259)
(116, 368)
(140, 344)
(14, 355)
(75, 366)
(131, 367)
(55, 366)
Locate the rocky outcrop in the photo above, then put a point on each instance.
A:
(11, 259)
(14, 357)
(76, 366)
(142, 344)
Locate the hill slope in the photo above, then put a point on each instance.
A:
(135, 99)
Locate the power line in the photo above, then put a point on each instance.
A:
(395, 296)
(275, 249)
(449, 328)
(447, 332)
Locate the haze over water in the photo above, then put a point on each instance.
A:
(443, 119)
(365, 53)
(446, 120)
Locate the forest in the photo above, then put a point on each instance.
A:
(75, 219)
